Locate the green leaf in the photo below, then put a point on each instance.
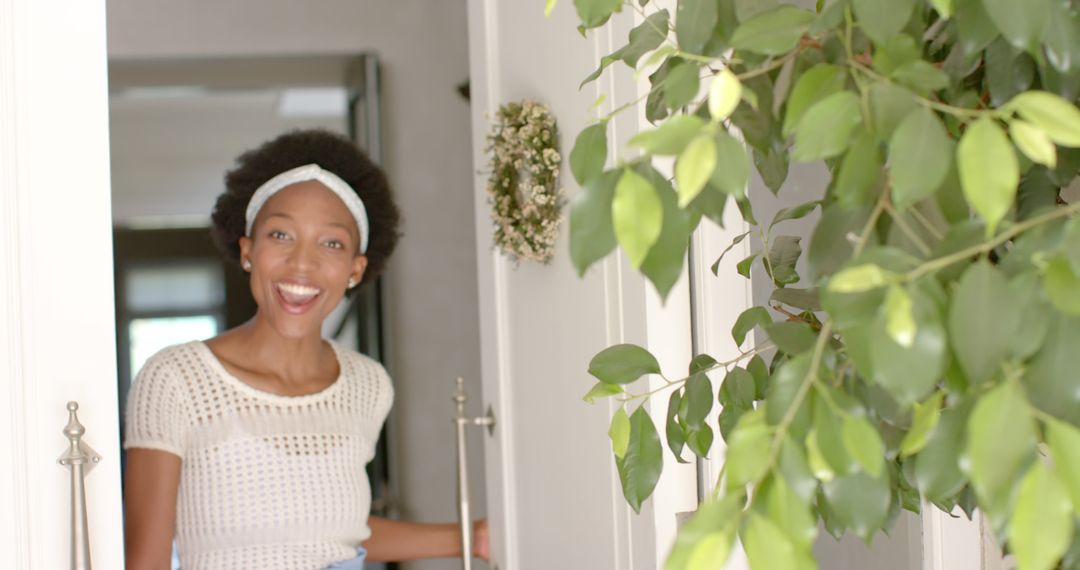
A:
(594, 13)
(745, 461)
(920, 152)
(1000, 446)
(1008, 71)
(750, 318)
(924, 420)
(989, 171)
(664, 262)
(622, 364)
(602, 390)
(908, 373)
(1062, 285)
(1033, 142)
(549, 6)
(860, 502)
(786, 384)
(734, 242)
(1022, 23)
(732, 166)
(864, 444)
(983, 318)
(921, 76)
(592, 235)
(899, 317)
(694, 167)
(814, 85)
(774, 32)
(794, 212)
(694, 22)
(640, 468)
(1041, 526)
(1058, 118)
(937, 466)
(889, 104)
(671, 137)
(860, 175)
(861, 278)
(702, 363)
(790, 336)
(700, 396)
(882, 19)
(805, 299)
(826, 128)
(725, 92)
(619, 432)
(700, 440)
(646, 37)
(1064, 441)
(714, 520)
(681, 85)
(1051, 375)
(637, 216)
(829, 439)
(794, 468)
(974, 26)
(738, 389)
(676, 436)
(743, 267)
(589, 153)
(788, 509)
(766, 545)
(1062, 40)
(815, 458)
(783, 254)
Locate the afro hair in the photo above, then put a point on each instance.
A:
(330, 151)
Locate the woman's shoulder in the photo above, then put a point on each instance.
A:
(172, 358)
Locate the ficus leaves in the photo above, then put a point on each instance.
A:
(923, 344)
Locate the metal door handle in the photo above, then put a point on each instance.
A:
(80, 458)
(461, 421)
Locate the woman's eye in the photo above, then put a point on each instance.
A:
(335, 244)
(278, 234)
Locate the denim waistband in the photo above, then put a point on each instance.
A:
(356, 563)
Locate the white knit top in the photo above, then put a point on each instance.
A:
(267, 481)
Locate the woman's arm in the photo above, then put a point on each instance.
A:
(151, 481)
(393, 540)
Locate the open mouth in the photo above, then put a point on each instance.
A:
(296, 298)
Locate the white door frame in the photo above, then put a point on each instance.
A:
(57, 340)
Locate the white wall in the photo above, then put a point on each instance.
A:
(431, 305)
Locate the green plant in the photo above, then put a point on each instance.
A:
(933, 353)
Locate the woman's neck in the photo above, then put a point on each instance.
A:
(255, 347)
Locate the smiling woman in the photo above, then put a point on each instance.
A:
(257, 437)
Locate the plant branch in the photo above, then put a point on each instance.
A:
(904, 227)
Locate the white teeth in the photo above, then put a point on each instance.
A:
(297, 289)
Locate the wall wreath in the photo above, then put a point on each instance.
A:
(526, 199)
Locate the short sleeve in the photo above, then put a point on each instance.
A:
(154, 417)
(386, 395)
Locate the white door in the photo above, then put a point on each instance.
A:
(56, 296)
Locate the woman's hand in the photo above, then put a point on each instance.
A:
(481, 541)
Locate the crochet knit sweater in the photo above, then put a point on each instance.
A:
(267, 481)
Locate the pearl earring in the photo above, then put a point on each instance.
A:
(352, 283)
(246, 265)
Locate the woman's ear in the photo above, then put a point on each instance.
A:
(358, 268)
(245, 251)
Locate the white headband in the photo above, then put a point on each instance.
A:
(303, 174)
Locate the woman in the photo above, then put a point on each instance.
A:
(250, 447)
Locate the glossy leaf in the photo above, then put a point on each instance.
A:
(908, 373)
(1033, 142)
(646, 37)
(989, 172)
(732, 166)
(602, 390)
(785, 387)
(766, 545)
(748, 319)
(619, 432)
(664, 262)
(1022, 23)
(725, 92)
(920, 153)
(794, 212)
(861, 278)
(637, 216)
(592, 234)
(1051, 375)
(589, 153)
(882, 19)
(859, 501)
(594, 13)
(670, 138)
(1058, 118)
(622, 364)
(816, 84)
(899, 317)
(826, 128)
(676, 435)
(1041, 526)
(745, 461)
(860, 175)
(714, 522)
(983, 318)
(889, 105)
(1000, 447)
(784, 252)
(790, 336)
(699, 394)
(864, 444)
(773, 32)
(681, 85)
(694, 167)
(694, 22)
(805, 299)
(791, 512)
(640, 468)
(1064, 441)
(937, 466)
(924, 421)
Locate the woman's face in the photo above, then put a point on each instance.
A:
(303, 252)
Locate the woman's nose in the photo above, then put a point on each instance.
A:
(303, 257)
